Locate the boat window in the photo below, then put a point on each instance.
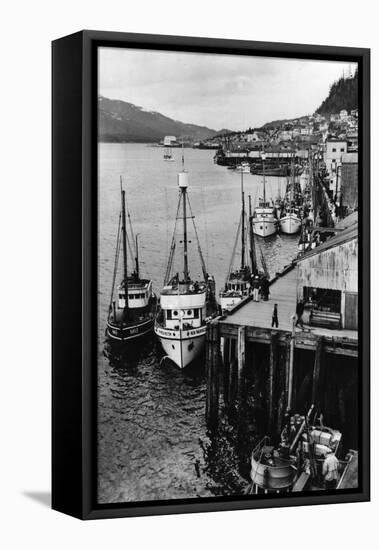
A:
(131, 296)
(189, 312)
(175, 313)
(196, 313)
(169, 314)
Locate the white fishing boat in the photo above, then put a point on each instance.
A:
(290, 222)
(264, 219)
(186, 306)
(290, 217)
(132, 311)
(238, 281)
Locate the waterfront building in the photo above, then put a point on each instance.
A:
(349, 182)
(334, 149)
(327, 279)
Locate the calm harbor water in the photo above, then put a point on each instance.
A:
(151, 415)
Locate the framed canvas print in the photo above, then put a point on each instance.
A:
(210, 274)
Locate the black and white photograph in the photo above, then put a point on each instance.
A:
(227, 338)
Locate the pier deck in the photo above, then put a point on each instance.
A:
(282, 292)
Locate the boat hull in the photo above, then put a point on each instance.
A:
(181, 346)
(128, 332)
(290, 224)
(264, 227)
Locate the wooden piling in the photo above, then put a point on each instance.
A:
(271, 379)
(212, 369)
(226, 370)
(316, 372)
(241, 357)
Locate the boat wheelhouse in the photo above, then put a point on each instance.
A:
(186, 306)
(132, 311)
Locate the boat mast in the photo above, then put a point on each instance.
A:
(137, 262)
(263, 155)
(124, 249)
(253, 255)
(183, 183)
(243, 225)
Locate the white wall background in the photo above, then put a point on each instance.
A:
(26, 31)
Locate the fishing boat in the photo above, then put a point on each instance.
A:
(290, 221)
(295, 464)
(132, 310)
(264, 219)
(238, 281)
(290, 218)
(186, 306)
(167, 151)
(244, 168)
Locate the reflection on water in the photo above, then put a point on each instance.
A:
(151, 426)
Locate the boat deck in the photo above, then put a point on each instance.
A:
(283, 292)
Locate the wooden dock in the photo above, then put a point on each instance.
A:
(234, 351)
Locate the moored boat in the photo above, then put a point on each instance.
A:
(290, 222)
(186, 306)
(244, 167)
(132, 311)
(295, 464)
(238, 281)
(264, 219)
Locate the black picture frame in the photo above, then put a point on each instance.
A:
(74, 205)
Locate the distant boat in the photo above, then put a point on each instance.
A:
(244, 167)
(167, 152)
(278, 171)
(264, 219)
(238, 281)
(132, 311)
(186, 306)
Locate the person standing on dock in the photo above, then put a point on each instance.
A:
(275, 321)
(256, 287)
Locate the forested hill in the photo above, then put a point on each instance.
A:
(343, 94)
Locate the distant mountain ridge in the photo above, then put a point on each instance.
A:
(120, 121)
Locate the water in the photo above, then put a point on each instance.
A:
(151, 416)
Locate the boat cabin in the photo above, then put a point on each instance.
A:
(139, 294)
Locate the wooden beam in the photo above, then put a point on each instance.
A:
(212, 370)
(271, 378)
(316, 371)
(241, 357)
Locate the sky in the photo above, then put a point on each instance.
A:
(218, 91)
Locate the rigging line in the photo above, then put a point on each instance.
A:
(203, 266)
(205, 227)
(131, 226)
(234, 249)
(173, 245)
(117, 254)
